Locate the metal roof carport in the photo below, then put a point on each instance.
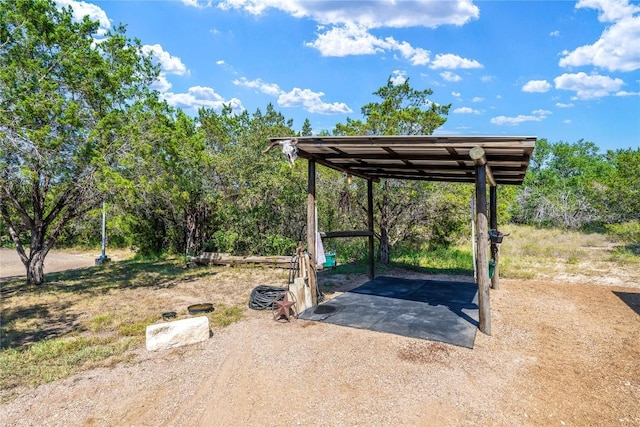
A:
(497, 160)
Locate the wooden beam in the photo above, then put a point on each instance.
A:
(371, 231)
(478, 156)
(484, 305)
(347, 233)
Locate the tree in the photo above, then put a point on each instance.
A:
(401, 111)
(260, 207)
(63, 98)
(566, 186)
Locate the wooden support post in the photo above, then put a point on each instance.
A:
(311, 216)
(484, 306)
(495, 247)
(370, 223)
(479, 158)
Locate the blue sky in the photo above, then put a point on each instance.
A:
(561, 70)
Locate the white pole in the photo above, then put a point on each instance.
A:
(104, 230)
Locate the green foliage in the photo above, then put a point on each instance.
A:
(63, 100)
(628, 232)
(574, 186)
(403, 209)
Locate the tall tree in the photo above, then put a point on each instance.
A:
(63, 97)
(402, 110)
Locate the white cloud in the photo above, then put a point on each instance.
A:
(347, 40)
(271, 89)
(610, 10)
(450, 77)
(537, 116)
(161, 84)
(466, 110)
(311, 102)
(200, 96)
(82, 9)
(220, 62)
(618, 48)
(625, 93)
(353, 39)
(197, 3)
(539, 86)
(555, 33)
(370, 14)
(486, 79)
(563, 105)
(567, 121)
(398, 77)
(456, 94)
(451, 62)
(169, 64)
(588, 86)
(477, 99)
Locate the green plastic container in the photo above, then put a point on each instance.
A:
(492, 267)
(330, 260)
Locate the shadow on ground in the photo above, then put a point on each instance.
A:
(631, 299)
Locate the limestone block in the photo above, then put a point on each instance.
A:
(162, 336)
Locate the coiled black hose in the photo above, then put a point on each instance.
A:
(263, 296)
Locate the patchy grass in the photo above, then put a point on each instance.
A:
(98, 316)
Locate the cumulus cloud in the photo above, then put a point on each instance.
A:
(370, 14)
(477, 99)
(82, 9)
(451, 62)
(345, 25)
(351, 39)
(588, 86)
(450, 77)
(311, 102)
(169, 64)
(563, 105)
(268, 88)
(197, 3)
(538, 86)
(618, 48)
(347, 40)
(466, 110)
(306, 98)
(161, 84)
(201, 96)
(609, 10)
(535, 116)
(398, 77)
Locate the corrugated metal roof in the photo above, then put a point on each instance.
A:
(426, 158)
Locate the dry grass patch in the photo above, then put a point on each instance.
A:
(98, 316)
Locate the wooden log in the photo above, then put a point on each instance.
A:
(480, 159)
(347, 233)
(311, 210)
(484, 306)
(371, 230)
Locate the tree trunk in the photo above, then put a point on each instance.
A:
(35, 268)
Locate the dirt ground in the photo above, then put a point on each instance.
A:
(561, 353)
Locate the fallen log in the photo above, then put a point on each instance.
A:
(214, 258)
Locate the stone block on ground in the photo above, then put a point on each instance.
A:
(162, 336)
